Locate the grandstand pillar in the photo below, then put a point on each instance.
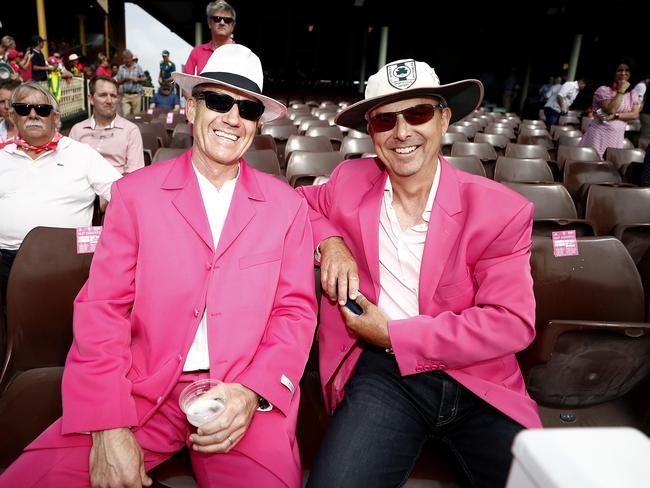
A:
(524, 89)
(364, 46)
(106, 34)
(82, 33)
(575, 54)
(198, 33)
(383, 47)
(42, 25)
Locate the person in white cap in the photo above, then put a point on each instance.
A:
(442, 260)
(204, 270)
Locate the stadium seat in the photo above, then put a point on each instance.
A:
(264, 160)
(469, 164)
(304, 166)
(531, 170)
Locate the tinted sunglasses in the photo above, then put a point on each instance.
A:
(217, 18)
(416, 115)
(222, 103)
(41, 109)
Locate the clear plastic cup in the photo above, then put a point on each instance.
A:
(200, 406)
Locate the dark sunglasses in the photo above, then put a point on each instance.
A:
(416, 115)
(217, 18)
(24, 109)
(222, 103)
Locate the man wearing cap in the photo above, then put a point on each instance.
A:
(442, 260)
(165, 97)
(76, 68)
(117, 139)
(40, 68)
(221, 21)
(204, 270)
(167, 67)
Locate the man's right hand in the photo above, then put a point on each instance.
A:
(339, 275)
(116, 460)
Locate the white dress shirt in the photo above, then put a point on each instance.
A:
(400, 256)
(217, 203)
(568, 92)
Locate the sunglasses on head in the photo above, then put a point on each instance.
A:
(41, 109)
(222, 103)
(218, 18)
(416, 115)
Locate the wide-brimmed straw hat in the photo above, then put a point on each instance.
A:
(234, 66)
(408, 78)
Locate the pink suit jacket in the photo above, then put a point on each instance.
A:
(477, 307)
(156, 269)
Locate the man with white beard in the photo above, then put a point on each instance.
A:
(46, 179)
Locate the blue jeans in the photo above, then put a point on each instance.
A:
(552, 116)
(377, 433)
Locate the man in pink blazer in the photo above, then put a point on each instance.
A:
(442, 260)
(204, 269)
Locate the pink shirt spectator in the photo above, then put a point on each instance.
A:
(101, 71)
(120, 144)
(611, 133)
(199, 57)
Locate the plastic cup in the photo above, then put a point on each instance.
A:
(200, 406)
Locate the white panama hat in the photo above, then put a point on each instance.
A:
(407, 78)
(234, 66)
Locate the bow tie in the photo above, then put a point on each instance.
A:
(26, 146)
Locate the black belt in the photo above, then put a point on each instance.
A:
(131, 93)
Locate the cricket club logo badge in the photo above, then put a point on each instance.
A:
(402, 75)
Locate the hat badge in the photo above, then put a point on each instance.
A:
(402, 75)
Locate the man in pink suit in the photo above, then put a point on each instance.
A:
(442, 259)
(204, 269)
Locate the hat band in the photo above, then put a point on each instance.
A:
(233, 79)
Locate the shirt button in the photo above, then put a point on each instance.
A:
(159, 399)
(196, 312)
(344, 348)
(180, 358)
(208, 265)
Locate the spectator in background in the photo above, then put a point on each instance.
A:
(167, 67)
(559, 104)
(7, 126)
(641, 89)
(114, 69)
(76, 68)
(221, 21)
(130, 76)
(612, 107)
(112, 136)
(40, 68)
(148, 82)
(52, 180)
(13, 59)
(545, 90)
(104, 67)
(166, 97)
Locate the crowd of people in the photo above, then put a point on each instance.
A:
(205, 269)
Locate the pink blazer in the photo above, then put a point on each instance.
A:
(477, 307)
(155, 270)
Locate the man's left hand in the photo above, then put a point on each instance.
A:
(371, 325)
(224, 432)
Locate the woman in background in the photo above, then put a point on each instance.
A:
(612, 107)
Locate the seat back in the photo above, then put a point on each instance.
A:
(576, 153)
(354, 147)
(527, 151)
(181, 140)
(304, 164)
(578, 175)
(44, 280)
(331, 132)
(482, 150)
(601, 283)
(306, 143)
(165, 153)
(264, 160)
(610, 206)
(623, 157)
(496, 140)
(551, 200)
(469, 164)
(523, 170)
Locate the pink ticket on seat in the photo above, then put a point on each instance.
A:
(565, 243)
(87, 238)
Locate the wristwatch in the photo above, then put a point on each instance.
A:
(617, 115)
(263, 404)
